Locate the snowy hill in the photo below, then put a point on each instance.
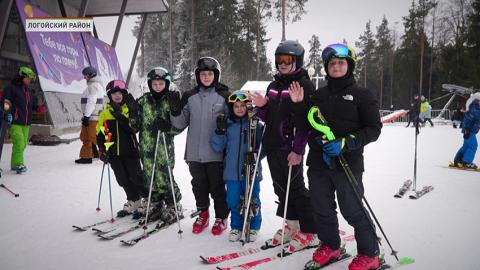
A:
(440, 230)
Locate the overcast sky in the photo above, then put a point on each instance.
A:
(332, 21)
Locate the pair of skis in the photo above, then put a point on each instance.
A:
(416, 195)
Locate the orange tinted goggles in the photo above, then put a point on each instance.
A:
(285, 59)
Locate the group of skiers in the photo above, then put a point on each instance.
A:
(420, 111)
(222, 139)
(336, 121)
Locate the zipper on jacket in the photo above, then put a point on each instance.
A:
(27, 98)
(118, 139)
(239, 150)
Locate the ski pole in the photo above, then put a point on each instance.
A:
(100, 189)
(285, 206)
(250, 192)
(9, 190)
(151, 181)
(110, 191)
(417, 131)
(350, 176)
(171, 184)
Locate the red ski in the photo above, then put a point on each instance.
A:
(251, 264)
(230, 256)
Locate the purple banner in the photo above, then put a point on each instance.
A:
(104, 58)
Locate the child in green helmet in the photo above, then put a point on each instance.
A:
(23, 103)
(156, 132)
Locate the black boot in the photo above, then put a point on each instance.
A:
(84, 161)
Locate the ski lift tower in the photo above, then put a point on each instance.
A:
(453, 90)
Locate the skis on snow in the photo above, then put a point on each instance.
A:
(420, 193)
(161, 225)
(229, 256)
(463, 168)
(405, 187)
(86, 227)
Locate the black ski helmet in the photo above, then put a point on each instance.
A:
(89, 71)
(291, 47)
(208, 63)
(115, 86)
(159, 73)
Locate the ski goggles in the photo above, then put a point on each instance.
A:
(207, 63)
(339, 51)
(238, 96)
(284, 59)
(116, 85)
(158, 74)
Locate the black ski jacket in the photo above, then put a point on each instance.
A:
(349, 110)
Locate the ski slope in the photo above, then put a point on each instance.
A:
(440, 230)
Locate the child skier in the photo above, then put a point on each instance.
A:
(231, 136)
(118, 146)
(471, 125)
(353, 116)
(198, 109)
(154, 116)
(23, 102)
(285, 147)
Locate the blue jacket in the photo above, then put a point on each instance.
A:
(234, 142)
(23, 102)
(471, 122)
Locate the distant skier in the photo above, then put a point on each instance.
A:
(153, 116)
(19, 94)
(285, 147)
(414, 112)
(198, 109)
(231, 137)
(118, 146)
(471, 124)
(427, 114)
(353, 116)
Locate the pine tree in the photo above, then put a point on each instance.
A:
(315, 54)
(383, 53)
(366, 69)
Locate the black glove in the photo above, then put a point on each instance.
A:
(174, 102)
(221, 125)
(102, 154)
(85, 120)
(162, 124)
(466, 134)
(132, 105)
(250, 158)
(117, 112)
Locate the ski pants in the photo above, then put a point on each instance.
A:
(299, 206)
(323, 185)
(236, 190)
(129, 175)
(19, 136)
(208, 180)
(88, 137)
(466, 153)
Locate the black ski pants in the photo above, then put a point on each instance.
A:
(299, 206)
(208, 180)
(129, 175)
(323, 185)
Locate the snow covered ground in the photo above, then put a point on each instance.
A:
(440, 230)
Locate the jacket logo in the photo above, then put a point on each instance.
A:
(348, 97)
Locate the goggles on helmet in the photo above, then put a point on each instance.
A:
(285, 59)
(339, 51)
(158, 74)
(116, 85)
(207, 63)
(238, 96)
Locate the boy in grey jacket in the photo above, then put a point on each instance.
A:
(198, 109)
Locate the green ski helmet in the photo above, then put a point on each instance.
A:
(27, 72)
(159, 73)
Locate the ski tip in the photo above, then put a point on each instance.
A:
(204, 260)
(77, 228)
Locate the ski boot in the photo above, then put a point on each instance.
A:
(129, 208)
(219, 226)
(362, 262)
(201, 222)
(21, 169)
(300, 241)
(291, 227)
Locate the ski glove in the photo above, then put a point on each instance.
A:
(327, 159)
(117, 113)
(162, 124)
(336, 147)
(221, 125)
(9, 118)
(174, 102)
(466, 134)
(102, 154)
(85, 120)
(132, 105)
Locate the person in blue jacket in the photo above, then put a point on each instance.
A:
(471, 125)
(23, 103)
(231, 136)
